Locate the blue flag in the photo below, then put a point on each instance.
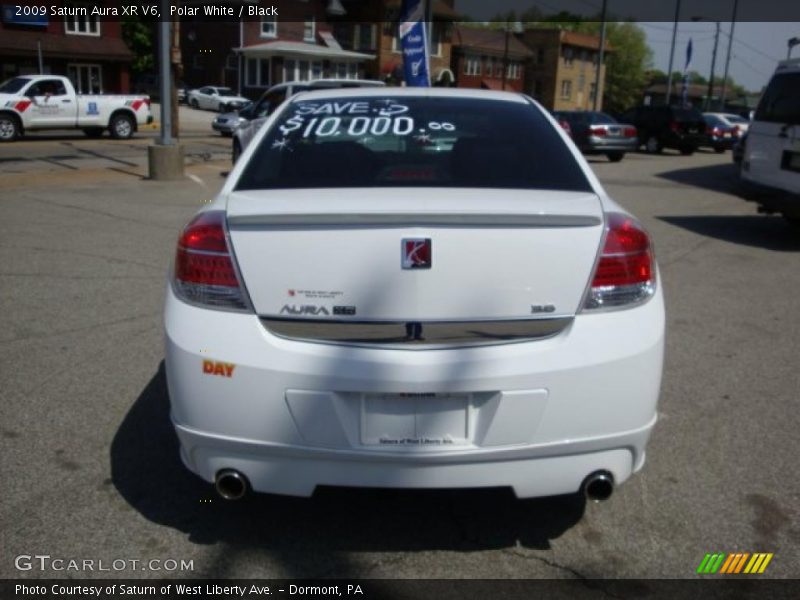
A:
(414, 42)
(685, 93)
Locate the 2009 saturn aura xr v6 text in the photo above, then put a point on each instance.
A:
(413, 288)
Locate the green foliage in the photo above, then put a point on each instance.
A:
(626, 65)
(139, 38)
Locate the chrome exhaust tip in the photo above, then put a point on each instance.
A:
(231, 484)
(598, 486)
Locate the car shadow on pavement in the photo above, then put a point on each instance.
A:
(759, 231)
(719, 178)
(147, 472)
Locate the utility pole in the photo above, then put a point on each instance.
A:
(672, 51)
(728, 58)
(165, 158)
(711, 78)
(505, 55)
(600, 58)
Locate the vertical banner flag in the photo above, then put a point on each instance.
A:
(685, 93)
(414, 42)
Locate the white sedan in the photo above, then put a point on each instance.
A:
(362, 305)
(221, 99)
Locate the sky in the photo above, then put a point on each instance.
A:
(762, 29)
(757, 48)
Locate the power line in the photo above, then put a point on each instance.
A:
(751, 67)
(749, 47)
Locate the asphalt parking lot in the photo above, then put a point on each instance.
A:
(91, 467)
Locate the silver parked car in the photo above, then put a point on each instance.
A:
(228, 123)
(598, 133)
(221, 99)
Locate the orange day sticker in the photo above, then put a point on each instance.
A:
(214, 367)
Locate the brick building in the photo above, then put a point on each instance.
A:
(92, 54)
(311, 39)
(479, 57)
(561, 71)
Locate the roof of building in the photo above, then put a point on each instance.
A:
(490, 41)
(70, 46)
(574, 38)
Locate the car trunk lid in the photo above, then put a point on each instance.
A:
(339, 254)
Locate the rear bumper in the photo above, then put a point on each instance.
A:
(600, 146)
(772, 198)
(542, 415)
(222, 127)
(546, 470)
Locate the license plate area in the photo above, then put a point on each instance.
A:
(425, 420)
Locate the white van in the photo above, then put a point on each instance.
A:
(771, 162)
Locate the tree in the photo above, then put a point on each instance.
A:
(626, 65)
(139, 38)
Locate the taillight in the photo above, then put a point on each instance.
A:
(204, 267)
(597, 131)
(625, 273)
(630, 132)
(675, 126)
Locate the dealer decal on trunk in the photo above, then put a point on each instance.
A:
(214, 367)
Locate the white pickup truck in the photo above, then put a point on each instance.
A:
(36, 102)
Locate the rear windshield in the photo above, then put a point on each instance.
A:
(12, 86)
(599, 118)
(686, 114)
(400, 141)
(781, 101)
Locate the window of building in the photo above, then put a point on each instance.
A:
(364, 37)
(264, 72)
(86, 79)
(436, 38)
(568, 56)
(472, 65)
(513, 71)
(581, 82)
(257, 72)
(490, 67)
(82, 24)
(289, 70)
(566, 89)
(584, 56)
(346, 70)
(251, 72)
(592, 92)
(197, 61)
(309, 30)
(231, 62)
(269, 26)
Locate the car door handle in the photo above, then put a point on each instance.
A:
(67, 101)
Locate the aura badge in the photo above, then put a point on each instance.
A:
(417, 253)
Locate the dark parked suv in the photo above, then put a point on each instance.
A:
(662, 127)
